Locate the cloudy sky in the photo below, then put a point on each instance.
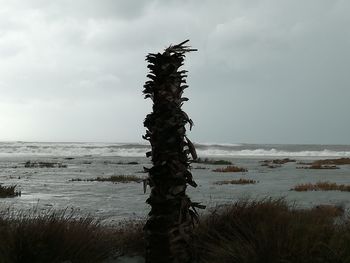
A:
(266, 71)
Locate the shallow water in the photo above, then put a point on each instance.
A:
(52, 188)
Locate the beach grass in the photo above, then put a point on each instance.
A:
(237, 181)
(52, 237)
(230, 169)
(272, 231)
(9, 191)
(321, 186)
(268, 230)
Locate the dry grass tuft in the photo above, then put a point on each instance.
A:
(321, 186)
(340, 161)
(239, 181)
(318, 166)
(9, 191)
(325, 164)
(30, 164)
(230, 169)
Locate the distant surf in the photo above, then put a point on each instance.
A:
(139, 149)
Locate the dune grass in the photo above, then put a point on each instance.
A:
(321, 186)
(113, 179)
(272, 231)
(246, 231)
(61, 236)
(9, 191)
(237, 181)
(230, 169)
(52, 237)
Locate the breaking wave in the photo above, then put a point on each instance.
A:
(139, 149)
(272, 153)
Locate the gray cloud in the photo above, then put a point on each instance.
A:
(266, 71)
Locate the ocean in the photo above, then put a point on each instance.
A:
(45, 188)
(12, 149)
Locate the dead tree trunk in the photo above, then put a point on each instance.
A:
(168, 231)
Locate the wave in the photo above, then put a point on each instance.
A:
(139, 150)
(273, 153)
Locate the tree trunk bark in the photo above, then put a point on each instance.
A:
(168, 231)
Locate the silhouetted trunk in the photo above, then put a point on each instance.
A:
(168, 231)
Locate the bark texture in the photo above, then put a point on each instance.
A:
(168, 231)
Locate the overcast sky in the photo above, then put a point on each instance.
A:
(266, 71)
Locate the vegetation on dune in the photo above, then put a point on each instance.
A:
(243, 232)
(113, 179)
(272, 231)
(211, 161)
(9, 191)
(321, 186)
(237, 181)
(230, 169)
(52, 237)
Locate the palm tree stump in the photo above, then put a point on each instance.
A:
(169, 228)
